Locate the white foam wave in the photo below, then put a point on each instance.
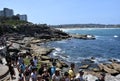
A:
(115, 36)
(61, 41)
(58, 49)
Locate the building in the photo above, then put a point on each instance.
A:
(1, 13)
(22, 17)
(6, 12)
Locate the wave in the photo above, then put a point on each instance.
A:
(115, 36)
(68, 29)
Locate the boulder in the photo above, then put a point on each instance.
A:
(45, 58)
(108, 70)
(96, 70)
(111, 78)
(116, 66)
(84, 66)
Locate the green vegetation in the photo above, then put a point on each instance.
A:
(27, 62)
(14, 20)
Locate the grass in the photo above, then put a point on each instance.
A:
(27, 62)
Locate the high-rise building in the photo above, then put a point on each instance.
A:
(22, 17)
(8, 12)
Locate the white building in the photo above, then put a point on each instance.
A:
(22, 17)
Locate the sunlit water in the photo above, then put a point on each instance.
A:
(105, 47)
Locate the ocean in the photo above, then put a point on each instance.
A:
(106, 46)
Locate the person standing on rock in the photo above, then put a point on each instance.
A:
(72, 72)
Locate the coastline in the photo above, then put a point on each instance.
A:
(43, 53)
(66, 29)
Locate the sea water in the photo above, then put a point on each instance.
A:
(106, 45)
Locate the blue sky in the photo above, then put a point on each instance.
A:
(67, 11)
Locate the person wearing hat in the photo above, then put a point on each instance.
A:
(79, 77)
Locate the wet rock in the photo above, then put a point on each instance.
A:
(84, 66)
(80, 36)
(87, 61)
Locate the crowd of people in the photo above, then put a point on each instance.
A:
(44, 72)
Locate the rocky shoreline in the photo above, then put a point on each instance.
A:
(25, 43)
(112, 70)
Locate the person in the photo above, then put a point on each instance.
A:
(21, 77)
(52, 69)
(102, 77)
(34, 75)
(79, 77)
(20, 59)
(35, 60)
(41, 69)
(66, 76)
(39, 78)
(11, 69)
(32, 66)
(22, 67)
(71, 71)
(56, 76)
(27, 74)
(46, 75)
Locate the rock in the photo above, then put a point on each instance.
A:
(41, 50)
(87, 61)
(113, 60)
(96, 69)
(90, 77)
(116, 66)
(84, 66)
(46, 61)
(100, 67)
(58, 64)
(118, 76)
(63, 64)
(45, 58)
(35, 41)
(108, 70)
(109, 66)
(80, 36)
(111, 78)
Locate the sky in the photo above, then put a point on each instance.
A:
(54, 12)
